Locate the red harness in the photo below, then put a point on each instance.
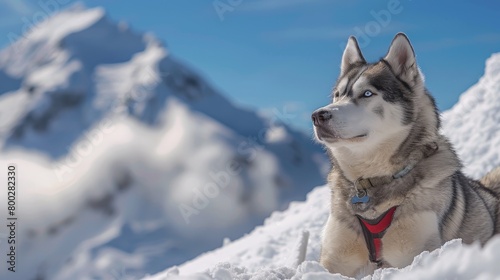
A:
(374, 230)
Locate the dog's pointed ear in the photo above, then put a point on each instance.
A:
(401, 58)
(352, 56)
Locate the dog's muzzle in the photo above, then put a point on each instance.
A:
(321, 117)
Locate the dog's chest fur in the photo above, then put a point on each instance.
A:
(344, 247)
(408, 236)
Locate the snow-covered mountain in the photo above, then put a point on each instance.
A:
(270, 251)
(129, 161)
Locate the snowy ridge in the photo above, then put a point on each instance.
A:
(265, 253)
(473, 124)
(129, 156)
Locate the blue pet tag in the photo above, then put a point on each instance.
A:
(360, 197)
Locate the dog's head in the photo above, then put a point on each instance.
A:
(371, 102)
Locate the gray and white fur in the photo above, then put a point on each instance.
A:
(382, 120)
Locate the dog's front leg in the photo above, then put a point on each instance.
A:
(343, 250)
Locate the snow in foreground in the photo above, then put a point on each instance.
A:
(452, 261)
(270, 252)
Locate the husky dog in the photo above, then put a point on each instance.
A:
(397, 188)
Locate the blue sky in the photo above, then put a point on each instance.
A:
(284, 54)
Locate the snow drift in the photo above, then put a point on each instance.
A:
(269, 251)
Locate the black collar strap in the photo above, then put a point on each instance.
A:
(366, 183)
(374, 182)
(373, 231)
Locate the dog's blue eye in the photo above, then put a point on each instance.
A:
(367, 93)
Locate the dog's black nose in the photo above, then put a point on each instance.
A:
(320, 117)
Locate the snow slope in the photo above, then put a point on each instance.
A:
(267, 253)
(473, 124)
(129, 161)
(270, 251)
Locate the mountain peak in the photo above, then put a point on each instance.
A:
(70, 34)
(72, 19)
